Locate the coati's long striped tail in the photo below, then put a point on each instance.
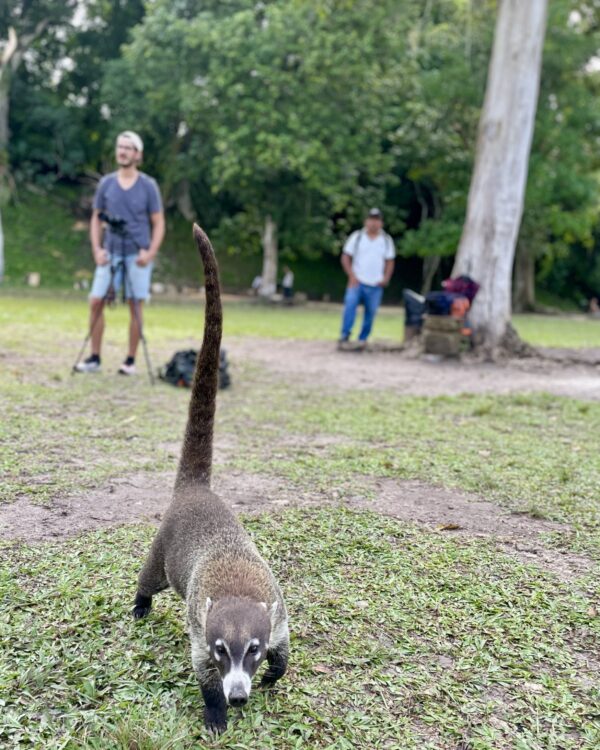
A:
(196, 457)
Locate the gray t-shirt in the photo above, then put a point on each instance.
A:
(134, 206)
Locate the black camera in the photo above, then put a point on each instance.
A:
(118, 226)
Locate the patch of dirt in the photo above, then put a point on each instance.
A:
(131, 499)
(460, 514)
(144, 497)
(139, 497)
(308, 362)
(587, 356)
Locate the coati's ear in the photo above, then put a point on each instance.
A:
(206, 610)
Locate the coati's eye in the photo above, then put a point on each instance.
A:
(220, 649)
(253, 649)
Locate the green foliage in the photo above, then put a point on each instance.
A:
(25, 15)
(279, 109)
(310, 112)
(57, 127)
(561, 210)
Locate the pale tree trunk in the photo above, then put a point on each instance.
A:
(9, 59)
(7, 62)
(1, 248)
(268, 285)
(184, 201)
(496, 196)
(524, 292)
(431, 263)
(12, 50)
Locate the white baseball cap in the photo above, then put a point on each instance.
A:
(137, 142)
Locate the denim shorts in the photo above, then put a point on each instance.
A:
(137, 278)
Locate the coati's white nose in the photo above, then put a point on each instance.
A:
(238, 696)
(236, 687)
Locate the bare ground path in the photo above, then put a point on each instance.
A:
(144, 497)
(318, 362)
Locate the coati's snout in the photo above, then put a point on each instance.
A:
(237, 636)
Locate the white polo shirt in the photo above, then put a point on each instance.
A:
(369, 255)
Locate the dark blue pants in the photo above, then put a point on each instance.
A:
(370, 297)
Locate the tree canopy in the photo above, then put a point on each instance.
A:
(310, 112)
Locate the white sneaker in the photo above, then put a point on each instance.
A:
(125, 369)
(88, 365)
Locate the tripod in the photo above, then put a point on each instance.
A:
(119, 228)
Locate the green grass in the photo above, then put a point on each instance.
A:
(553, 330)
(165, 322)
(400, 639)
(68, 314)
(534, 454)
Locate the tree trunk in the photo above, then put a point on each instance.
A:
(496, 196)
(4, 103)
(4, 174)
(9, 60)
(1, 249)
(431, 263)
(184, 201)
(524, 292)
(268, 285)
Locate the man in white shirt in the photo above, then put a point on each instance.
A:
(368, 260)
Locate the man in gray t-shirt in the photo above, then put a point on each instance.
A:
(126, 231)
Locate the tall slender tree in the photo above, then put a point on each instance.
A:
(496, 197)
(22, 23)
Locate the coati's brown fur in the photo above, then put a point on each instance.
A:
(235, 609)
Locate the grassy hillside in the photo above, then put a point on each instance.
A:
(42, 234)
(49, 234)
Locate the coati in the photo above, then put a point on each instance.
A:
(235, 610)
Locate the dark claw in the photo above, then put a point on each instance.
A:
(268, 680)
(140, 612)
(214, 723)
(215, 728)
(142, 606)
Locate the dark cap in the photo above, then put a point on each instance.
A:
(375, 213)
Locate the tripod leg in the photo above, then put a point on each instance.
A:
(138, 321)
(81, 351)
(94, 320)
(147, 358)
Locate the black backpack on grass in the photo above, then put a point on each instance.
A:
(179, 371)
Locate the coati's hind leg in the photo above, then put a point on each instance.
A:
(277, 659)
(151, 580)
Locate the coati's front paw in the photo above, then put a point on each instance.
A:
(142, 606)
(268, 680)
(277, 667)
(215, 720)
